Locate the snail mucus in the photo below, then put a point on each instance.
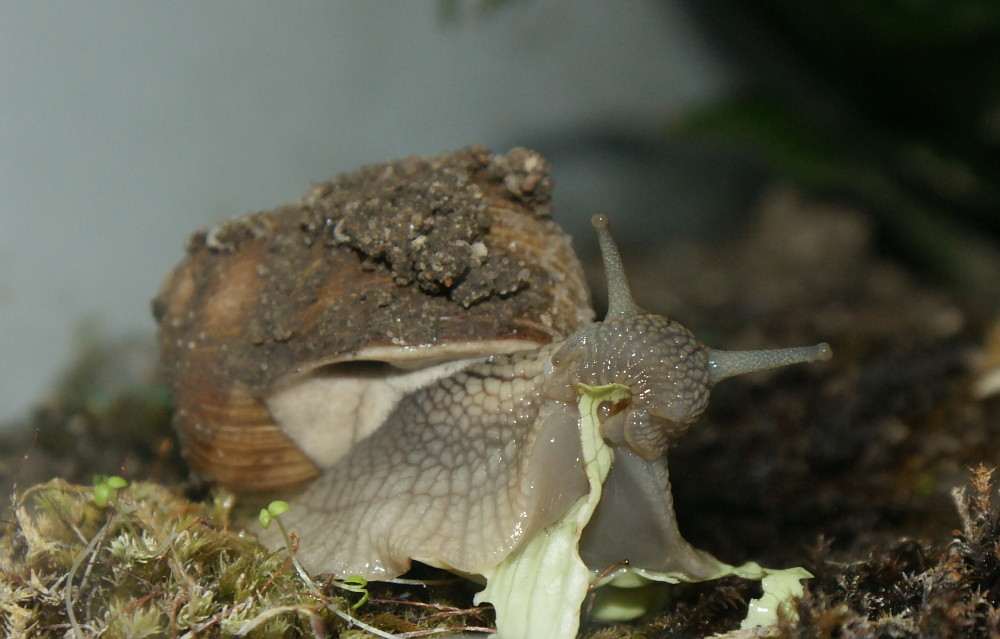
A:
(408, 347)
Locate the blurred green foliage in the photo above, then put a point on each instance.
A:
(893, 103)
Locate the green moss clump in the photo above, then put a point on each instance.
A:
(147, 564)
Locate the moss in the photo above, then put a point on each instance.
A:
(152, 564)
(148, 564)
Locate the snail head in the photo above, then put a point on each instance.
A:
(668, 371)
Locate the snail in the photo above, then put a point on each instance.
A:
(454, 443)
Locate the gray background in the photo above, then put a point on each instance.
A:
(124, 126)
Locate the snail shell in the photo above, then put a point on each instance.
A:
(385, 276)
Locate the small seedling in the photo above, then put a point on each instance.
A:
(356, 583)
(273, 510)
(104, 487)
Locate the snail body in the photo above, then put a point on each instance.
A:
(454, 443)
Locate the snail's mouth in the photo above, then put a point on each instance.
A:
(635, 523)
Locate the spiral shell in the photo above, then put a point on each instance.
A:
(412, 263)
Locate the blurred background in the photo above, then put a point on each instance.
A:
(123, 130)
